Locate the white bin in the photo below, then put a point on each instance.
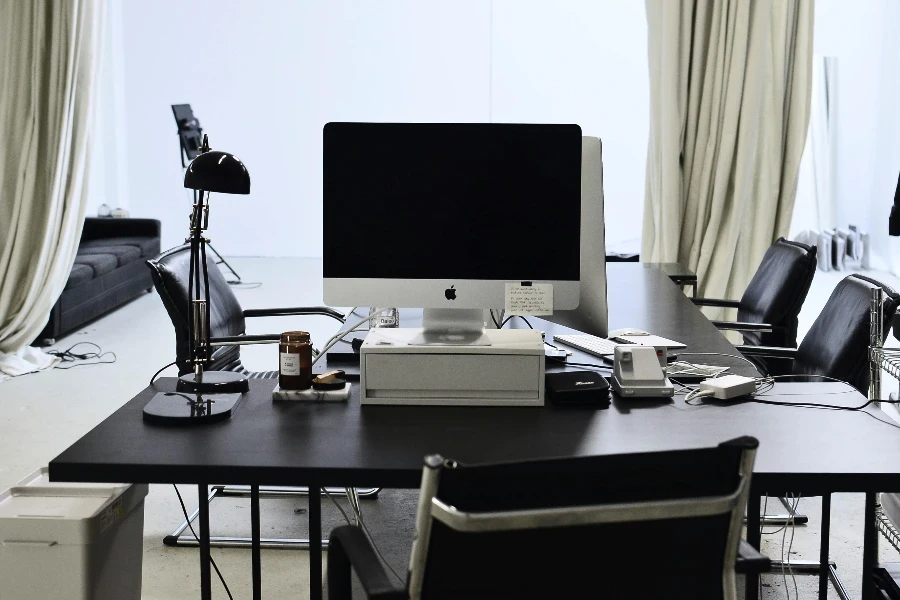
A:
(71, 540)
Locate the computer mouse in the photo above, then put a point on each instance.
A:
(626, 331)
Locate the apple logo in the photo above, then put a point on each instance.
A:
(450, 293)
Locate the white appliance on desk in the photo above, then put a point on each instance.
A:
(509, 372)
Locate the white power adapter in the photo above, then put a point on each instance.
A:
(729, 386)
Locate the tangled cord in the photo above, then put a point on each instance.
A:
(765, 384)
(68, 356)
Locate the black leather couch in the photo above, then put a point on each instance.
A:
(108, 271)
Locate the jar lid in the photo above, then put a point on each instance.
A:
(289, 337)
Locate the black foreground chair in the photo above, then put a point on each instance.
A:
(170, 271)
(568, 528)
(767, 312)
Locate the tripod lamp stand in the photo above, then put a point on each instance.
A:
(203, 396)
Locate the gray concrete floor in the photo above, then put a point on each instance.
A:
(42, 414)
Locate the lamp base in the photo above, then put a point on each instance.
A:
(214, 382)
(180, 409)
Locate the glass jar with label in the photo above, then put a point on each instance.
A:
(295, 364)
(390, 317)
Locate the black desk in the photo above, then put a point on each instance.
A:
(678, 273)
(813, 451)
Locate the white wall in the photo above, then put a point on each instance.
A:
(585, 62)
(862, 36)
(263, 77)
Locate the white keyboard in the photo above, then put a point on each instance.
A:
(588, 343)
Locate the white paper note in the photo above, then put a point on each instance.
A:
(527, 300)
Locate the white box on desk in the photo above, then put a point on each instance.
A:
(509, 372)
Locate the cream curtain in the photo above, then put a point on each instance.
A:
(729, 108)
(49, 59)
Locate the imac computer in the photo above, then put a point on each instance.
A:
(444, 216)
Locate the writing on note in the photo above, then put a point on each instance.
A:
(536, 299)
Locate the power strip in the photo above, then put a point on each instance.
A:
(729, 386)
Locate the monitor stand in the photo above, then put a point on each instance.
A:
(452, 327)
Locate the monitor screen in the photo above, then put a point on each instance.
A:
(452, 201)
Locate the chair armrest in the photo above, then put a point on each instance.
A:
(715, 302)
(749, 560)
(348, 548)
(767, 351)
(98, 228)
(745, 326)
(245, 340)
(300, 310)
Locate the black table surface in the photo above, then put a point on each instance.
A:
(675, 271)
(345, 444)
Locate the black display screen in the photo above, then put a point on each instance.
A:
(452, 201)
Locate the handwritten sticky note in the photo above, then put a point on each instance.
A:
(536, 299)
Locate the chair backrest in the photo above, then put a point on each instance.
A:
(777, 291)
(837, 344)
(170, 272)
(577, 527)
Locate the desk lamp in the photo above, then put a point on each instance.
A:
(201, 396)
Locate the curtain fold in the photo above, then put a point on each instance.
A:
(729, 109)
(49, 62)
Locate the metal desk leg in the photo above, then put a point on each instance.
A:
(255, 558)
(824, 534)
(205, 581)
(870, 548)
(315, 542)
(754, 537)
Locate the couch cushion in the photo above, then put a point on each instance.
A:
(100, 264)
(123, 254)
(149, 246)
(78, 275)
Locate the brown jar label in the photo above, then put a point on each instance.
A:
(290, 364)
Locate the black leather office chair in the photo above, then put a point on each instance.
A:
(170, 271)
(767, 312)
(568, 528)
(837, 344)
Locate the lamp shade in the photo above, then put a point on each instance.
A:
(219, 172)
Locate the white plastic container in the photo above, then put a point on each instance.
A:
(71, 540)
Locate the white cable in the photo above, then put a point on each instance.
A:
(349, 312)
(685, 368)
(749, 362)
(783, 576)
(338, 506)
(791, 544)
(790, 521)
(698, 394)
(770, 379)
(340, 334)
(358, 512)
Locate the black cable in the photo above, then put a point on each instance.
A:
(824, 406)
(511, 317)
(67, 356)
(494, 319)
(191, 527)
(889, 423)
(152, 379)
